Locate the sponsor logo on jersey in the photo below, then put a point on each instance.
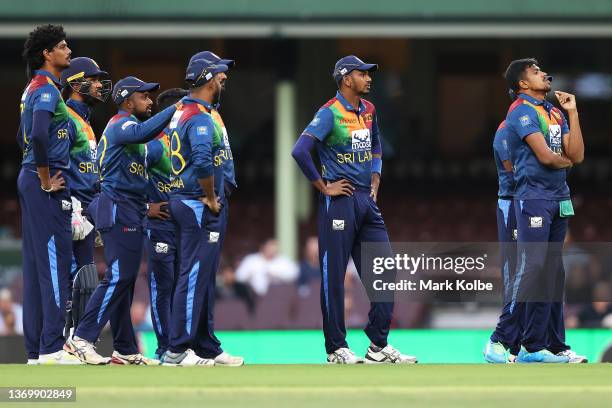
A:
(360, 139)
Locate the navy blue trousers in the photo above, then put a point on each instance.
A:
(200, 237)
(47, 243)
(344, 224)
(540, 274)
(163, 264)
(207, 344)
(509, 326)
(121, 226)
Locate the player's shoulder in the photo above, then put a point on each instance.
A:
(192, 113)
(41, 83)
(369, 106)
(520, 112)
(121, 121)
(329, 103)
(502, 132)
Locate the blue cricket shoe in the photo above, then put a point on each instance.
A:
(542, 356)
(495, 353)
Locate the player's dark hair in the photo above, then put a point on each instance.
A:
(170, 97)
(515, 71)
(43, 37)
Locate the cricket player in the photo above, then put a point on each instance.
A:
(346, 135)
(162, 245)
(84, 85)
(209, 345)
(119, 211)
(196, 200)
(543, 149)
(504, 344)
(44, 197)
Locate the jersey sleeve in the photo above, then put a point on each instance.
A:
(500, 145)
(321, 125)
(153, 152)
(200, 135)
(45, 98)
(524, 121)
(129, 131)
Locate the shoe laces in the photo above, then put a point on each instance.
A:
(390, 351)
(345, 353)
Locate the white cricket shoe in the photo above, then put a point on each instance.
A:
(84, 351)
(60, 357)
(344, 356)
(32, 361)
(573, 357)
(186, 358)
(226, 359)
(387, 354)
(132, 359)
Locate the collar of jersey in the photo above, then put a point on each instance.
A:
(47, 74)
(124, 112)
(79, 107)
(191, 99)
(347, 105)
(544, 103)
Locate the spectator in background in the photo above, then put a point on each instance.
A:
(11, 315)
(228, 288)
(309, 267)
(266, 267)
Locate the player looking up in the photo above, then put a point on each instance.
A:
(543, 149)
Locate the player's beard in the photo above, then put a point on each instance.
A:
(217, 96)
(142, 116)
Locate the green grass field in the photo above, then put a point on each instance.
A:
(298, 386)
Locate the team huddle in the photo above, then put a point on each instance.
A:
(164, 181)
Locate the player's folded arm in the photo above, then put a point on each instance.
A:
(573, 150)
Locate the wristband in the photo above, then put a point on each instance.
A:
(46, 191)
